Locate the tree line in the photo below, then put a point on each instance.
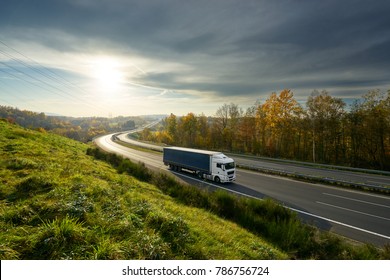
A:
(80, 129)
(322, 131)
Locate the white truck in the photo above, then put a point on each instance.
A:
(209, 165)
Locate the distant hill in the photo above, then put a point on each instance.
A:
(80, 129)
(56, 202)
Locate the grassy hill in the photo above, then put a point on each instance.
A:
(56, 202)
(61, 199)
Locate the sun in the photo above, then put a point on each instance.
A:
(108, 74)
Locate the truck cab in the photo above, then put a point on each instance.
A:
(223, 169)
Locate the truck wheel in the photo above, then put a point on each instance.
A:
(217, 179)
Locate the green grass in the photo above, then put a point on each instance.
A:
(60, 199)
(57, 202)
(265, 218)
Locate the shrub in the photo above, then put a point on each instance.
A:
(185, 194)
(139, 170)
(225, 204)
(266, 218)
(385, 253)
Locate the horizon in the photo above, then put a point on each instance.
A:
(115, 58)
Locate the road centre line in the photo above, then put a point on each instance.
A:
(358, 200)
(317, 185)
(292, 209)
(350, 210)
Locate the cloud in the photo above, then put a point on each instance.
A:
(216, 48)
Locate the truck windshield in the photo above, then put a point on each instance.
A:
(229, 165)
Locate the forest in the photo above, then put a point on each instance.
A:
(325, 130)
(80, 129)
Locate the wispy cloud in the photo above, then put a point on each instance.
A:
(211, 51)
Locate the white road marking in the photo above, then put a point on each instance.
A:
(350, 210)
(292, 209)
(358, 200)
(342, 224)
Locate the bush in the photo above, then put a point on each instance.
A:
(185, 194)
(266, 218)
(139, 170)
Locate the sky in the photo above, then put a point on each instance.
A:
(133, 57)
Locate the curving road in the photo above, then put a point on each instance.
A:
(354, 176)
(357, 215)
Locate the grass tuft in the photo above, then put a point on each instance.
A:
(58, 239)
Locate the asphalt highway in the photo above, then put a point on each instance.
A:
(357, 215)
(351, 176)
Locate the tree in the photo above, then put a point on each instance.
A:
(146, 134)
(261, 131)
(370, 133)
(226, 125)
(203, 137)
(130, 124)
(188, 130)
(171, 128)
(326, 113)
(278, 118)
(219, 127)
(247, 130)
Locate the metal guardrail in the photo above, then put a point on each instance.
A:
(331, 181)
(300, 176)
(303, 163)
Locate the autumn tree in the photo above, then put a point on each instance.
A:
(220, 127)
(324, 131)
(203, 138)
(370, 130)
(326, 113)
(279, 114)
(188, 130)
(171, 129)
(225, 129)
(261, 130)
(247, 131)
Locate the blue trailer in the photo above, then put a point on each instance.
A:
(209, 165)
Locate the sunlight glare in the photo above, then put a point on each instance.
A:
(108, 74)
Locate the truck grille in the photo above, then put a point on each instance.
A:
(230, 173)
